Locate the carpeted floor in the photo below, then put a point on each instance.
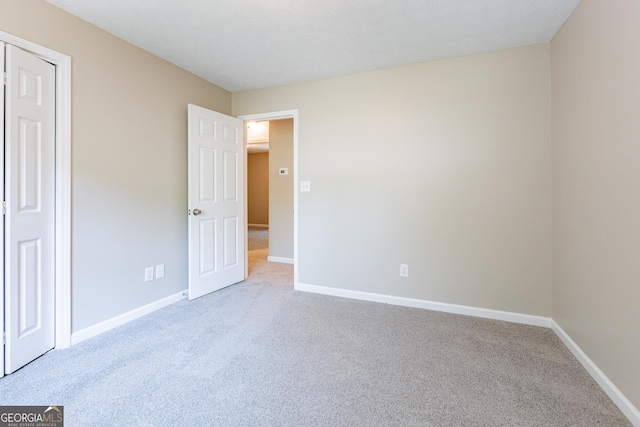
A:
(260, 354)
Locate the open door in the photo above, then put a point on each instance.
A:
(217, 220)
(29, 223)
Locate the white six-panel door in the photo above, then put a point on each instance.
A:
(216, 201)
(2, 228)
(29, 191)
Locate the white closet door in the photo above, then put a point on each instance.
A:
(2, 228)
(30, 212)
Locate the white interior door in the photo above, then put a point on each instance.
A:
(2, 228)
(217, 220)
(29, 190)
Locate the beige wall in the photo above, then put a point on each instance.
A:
(129, 164)
(281, 189)
(258, 188)
(444, 166)
(596, 186)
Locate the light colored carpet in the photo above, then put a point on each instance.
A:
(260, 354)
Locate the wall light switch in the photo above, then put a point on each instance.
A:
(148, 274)
(305, 186)
(283, 171)
(159, 271)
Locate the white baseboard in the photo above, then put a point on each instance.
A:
(280, 259)
(627, 408)
(258, 225)
(107, 325)
(486, 313)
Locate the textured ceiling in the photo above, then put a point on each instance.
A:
(249, 44)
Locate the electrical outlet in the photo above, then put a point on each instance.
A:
(148, 274)
(305, 186)
(283, 171)
(159, 271)
(404, 270)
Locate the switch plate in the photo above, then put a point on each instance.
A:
(159, 271)
(305, 186)
(283, 171)
(148, 274)
(404, 270)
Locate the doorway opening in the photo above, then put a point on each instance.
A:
(258, 178)
(273, 234)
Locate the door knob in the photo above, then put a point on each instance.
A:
(197, 212)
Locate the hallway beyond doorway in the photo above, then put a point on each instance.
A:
(258, 243)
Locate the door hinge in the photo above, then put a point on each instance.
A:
(4, 208)
(4, 338)
(4, 78)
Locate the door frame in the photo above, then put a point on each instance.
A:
(63, 183)
(276, 115)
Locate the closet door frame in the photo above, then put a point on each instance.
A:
(63, 183)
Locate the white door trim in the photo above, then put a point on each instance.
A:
(278, 115)
(63, 182)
